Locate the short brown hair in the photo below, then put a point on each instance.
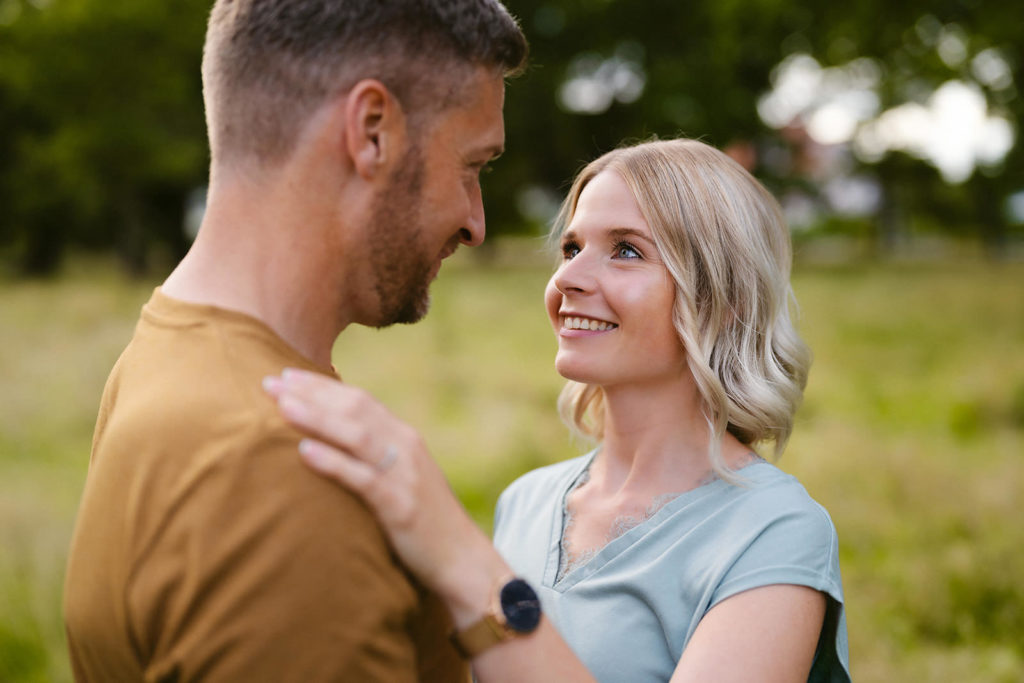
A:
(269, 64)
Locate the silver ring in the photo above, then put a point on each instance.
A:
(390, 456)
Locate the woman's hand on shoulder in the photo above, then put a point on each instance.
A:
(356, 441)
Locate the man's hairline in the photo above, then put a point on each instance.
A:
(459, 96)
(420, 123)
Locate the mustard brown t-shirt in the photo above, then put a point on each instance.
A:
(205, 551)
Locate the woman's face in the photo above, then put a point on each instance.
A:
(610, 301)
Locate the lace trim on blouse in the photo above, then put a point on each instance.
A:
(570, 558)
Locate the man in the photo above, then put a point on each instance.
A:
(346, 140)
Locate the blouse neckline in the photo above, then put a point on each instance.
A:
(592, 560)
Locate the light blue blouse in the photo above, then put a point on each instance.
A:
(630, 610)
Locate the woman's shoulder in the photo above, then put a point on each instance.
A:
(777, 534)
(777, 499)
(763, 483)
(547, 480)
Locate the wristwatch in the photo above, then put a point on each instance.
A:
(516, 613)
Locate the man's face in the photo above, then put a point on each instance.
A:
(401, 270)
(432, 203)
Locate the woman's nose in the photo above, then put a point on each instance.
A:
(575, 276)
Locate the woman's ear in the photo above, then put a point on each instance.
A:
(374, 127)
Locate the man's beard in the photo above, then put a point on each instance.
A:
(400, 268)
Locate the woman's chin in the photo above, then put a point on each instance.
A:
(576, 373)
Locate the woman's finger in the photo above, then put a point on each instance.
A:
(337, 413)
(338, 465)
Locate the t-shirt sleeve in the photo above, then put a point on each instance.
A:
(793, 545)
(792, 540)
(270, 572)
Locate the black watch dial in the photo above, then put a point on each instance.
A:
(520, 605)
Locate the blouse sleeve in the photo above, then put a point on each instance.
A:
(793, 546)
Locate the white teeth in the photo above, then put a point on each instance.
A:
(587, 324)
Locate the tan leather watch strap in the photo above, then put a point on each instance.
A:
(515, 611)
(480, 636)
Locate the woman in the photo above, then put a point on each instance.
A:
(672, 551)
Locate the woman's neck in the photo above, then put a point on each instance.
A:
(656, 441)
(655, 446)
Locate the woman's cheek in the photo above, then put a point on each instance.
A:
(553, 302)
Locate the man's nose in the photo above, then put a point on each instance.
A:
(472, 234)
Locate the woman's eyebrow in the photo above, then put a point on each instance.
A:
(618, 233)
(613, 233)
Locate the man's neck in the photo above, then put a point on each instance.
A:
(251, 256)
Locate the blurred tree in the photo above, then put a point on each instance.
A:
(696, 69)
(921, 45)
(703, 67)
(100, 101)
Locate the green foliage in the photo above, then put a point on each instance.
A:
(706, 65)
(100, 103)
(911, 435)
(908, 439)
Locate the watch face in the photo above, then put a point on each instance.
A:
(520, 605)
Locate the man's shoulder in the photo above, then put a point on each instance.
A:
(185, 418)
(199, 511)
(202, 347)
(186, 433)
(189, 384)
(294, 564)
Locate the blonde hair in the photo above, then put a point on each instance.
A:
(725, 243)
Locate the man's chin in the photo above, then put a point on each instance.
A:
(412, 312)
(417, 314)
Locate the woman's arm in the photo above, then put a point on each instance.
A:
(384, 461)
(765, 634)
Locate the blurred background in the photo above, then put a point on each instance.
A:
(889, 131)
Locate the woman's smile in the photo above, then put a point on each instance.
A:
(579, 326)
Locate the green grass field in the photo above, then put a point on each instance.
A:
(912, 435)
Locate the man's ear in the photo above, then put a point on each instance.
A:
(375, 127)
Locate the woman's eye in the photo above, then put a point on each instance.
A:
(626, 250)
(569, 250)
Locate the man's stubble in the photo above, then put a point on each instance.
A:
(400, 263)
